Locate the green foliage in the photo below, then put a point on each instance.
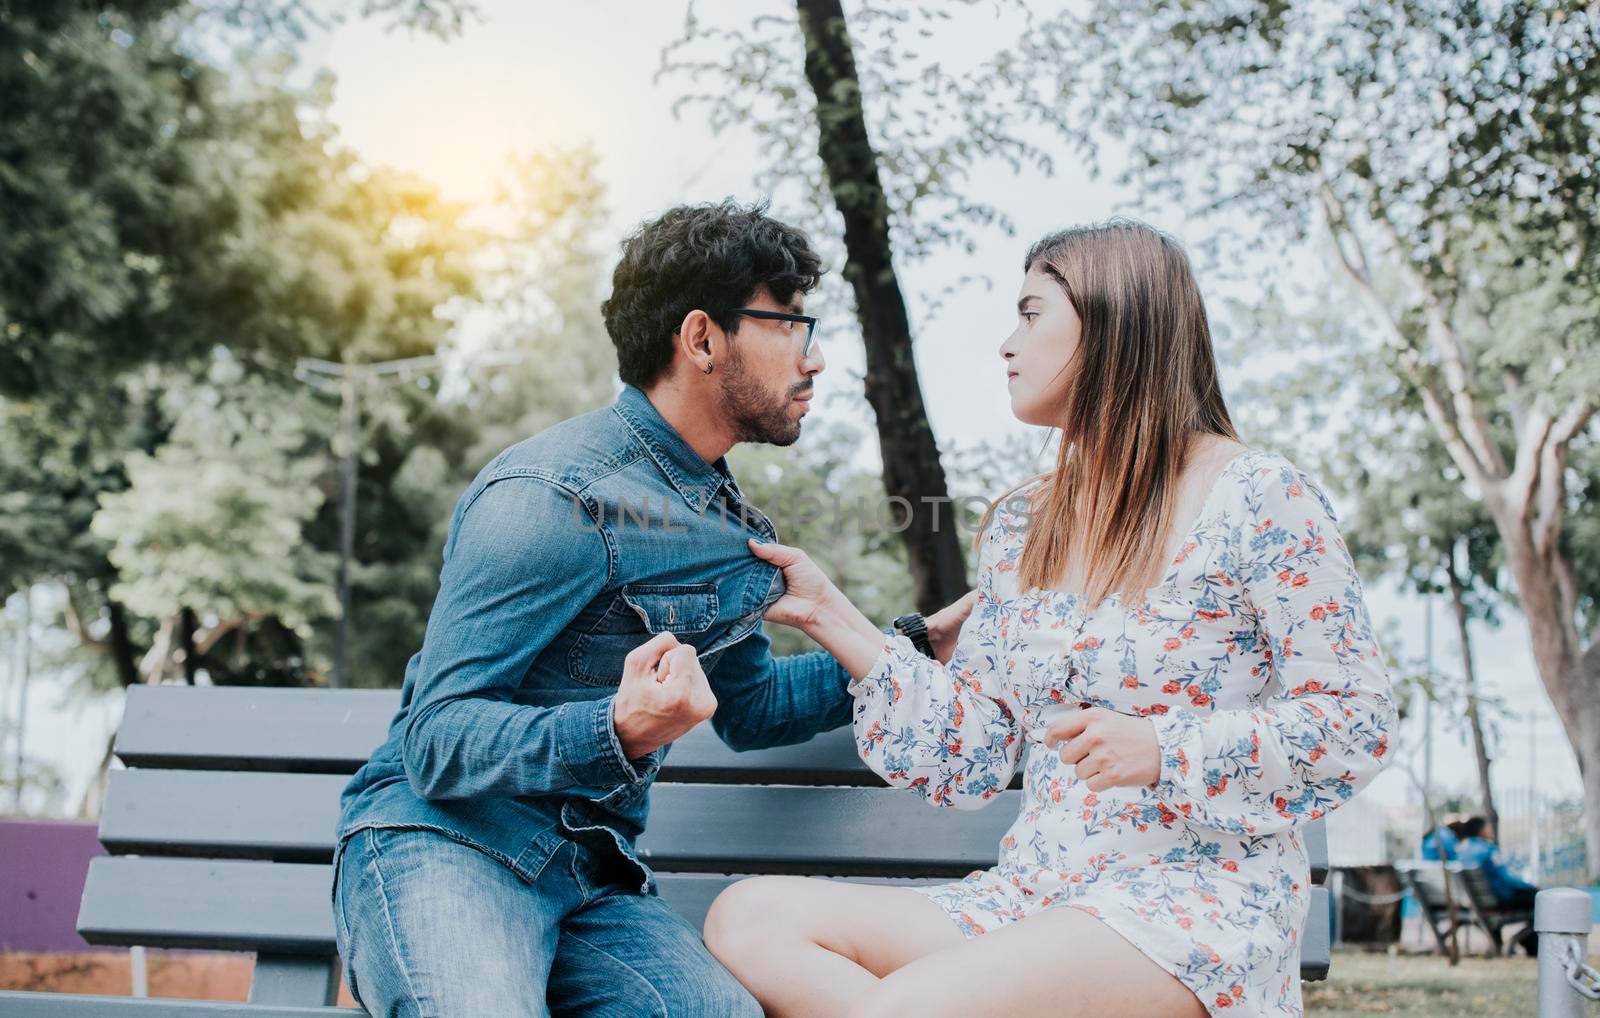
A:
(173, 235)
(99, 186)
(215, 516)
(1460, 138)
(930, 122)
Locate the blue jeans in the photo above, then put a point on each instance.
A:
(429, 926)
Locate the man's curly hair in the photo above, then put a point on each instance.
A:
(711, 257)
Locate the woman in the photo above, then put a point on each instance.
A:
(1172, 624)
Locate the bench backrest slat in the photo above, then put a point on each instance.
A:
(720, 828)
(334, 731)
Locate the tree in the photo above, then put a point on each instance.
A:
(885, 190)
(1443, 151)
(1413, 520)
(125, 162)
(157, 209)
(208, 536)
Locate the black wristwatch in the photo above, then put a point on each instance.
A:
(915, 628)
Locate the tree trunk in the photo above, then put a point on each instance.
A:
(1526, 499)
(187, 625)
(911, 467)
(1571, 676)
(123, 652)
(1588, 677)
(1480, 749)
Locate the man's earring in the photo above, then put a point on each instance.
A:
(708, 367)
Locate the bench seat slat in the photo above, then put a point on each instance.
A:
(274, 907)
(208, 904)
(217, 904)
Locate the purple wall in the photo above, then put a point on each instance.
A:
(42, 868)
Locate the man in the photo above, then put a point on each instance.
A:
(1476, 846)
(597, 601)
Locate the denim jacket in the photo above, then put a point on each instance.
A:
(566, 552)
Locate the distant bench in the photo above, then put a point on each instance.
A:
(1475, 901)
(221, 835)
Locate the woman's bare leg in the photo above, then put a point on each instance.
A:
(1061, 963)
(812, 947)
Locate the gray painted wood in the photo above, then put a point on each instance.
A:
(334, 731)
(294, 980)
(835, 831)
(274, 908)
(222, 814)
(1315, 838)
(716, 828)
(299, 745)
(237, 728)
(72, 1005)
(1316, 948)
(268, 907)
(278, 908)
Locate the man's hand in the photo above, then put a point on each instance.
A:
(1111, 750)
(945, 625)
(662, 695)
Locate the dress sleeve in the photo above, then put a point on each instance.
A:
(946, 730)
(1320, 729)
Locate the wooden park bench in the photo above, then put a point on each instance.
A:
(220, 834)
(1475, 901)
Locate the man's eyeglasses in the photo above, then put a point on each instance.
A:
(792, 320)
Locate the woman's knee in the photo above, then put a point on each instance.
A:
(743, 915)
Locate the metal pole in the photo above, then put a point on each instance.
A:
(23, 655)
(1535, 804)
(324, 376)
(140, 971)
(1427, 703)
(1561, 919)
(349, 427)
(10, 680)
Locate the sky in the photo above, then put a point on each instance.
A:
(533, 76)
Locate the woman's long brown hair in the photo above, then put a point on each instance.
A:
(1144, 383)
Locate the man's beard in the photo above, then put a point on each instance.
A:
(757, 415)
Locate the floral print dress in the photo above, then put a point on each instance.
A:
(1255, 660)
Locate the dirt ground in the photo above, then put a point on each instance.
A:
(199, 975)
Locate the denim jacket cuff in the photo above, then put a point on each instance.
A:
(592, 753)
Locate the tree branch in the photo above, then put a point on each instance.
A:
(1552, 491)
(203, 644)
(1522, 487)
(76, 627)
(1352, 256)
(1453, 359)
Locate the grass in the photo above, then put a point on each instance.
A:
(1416, 985)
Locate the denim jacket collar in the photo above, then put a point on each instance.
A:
(696, 480)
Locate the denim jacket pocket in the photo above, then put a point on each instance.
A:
(766, 586)
(640, 611)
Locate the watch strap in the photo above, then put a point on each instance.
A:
(915, 628)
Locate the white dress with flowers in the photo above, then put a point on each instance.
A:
(1254, 658)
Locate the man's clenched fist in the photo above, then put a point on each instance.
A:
(663, 694)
